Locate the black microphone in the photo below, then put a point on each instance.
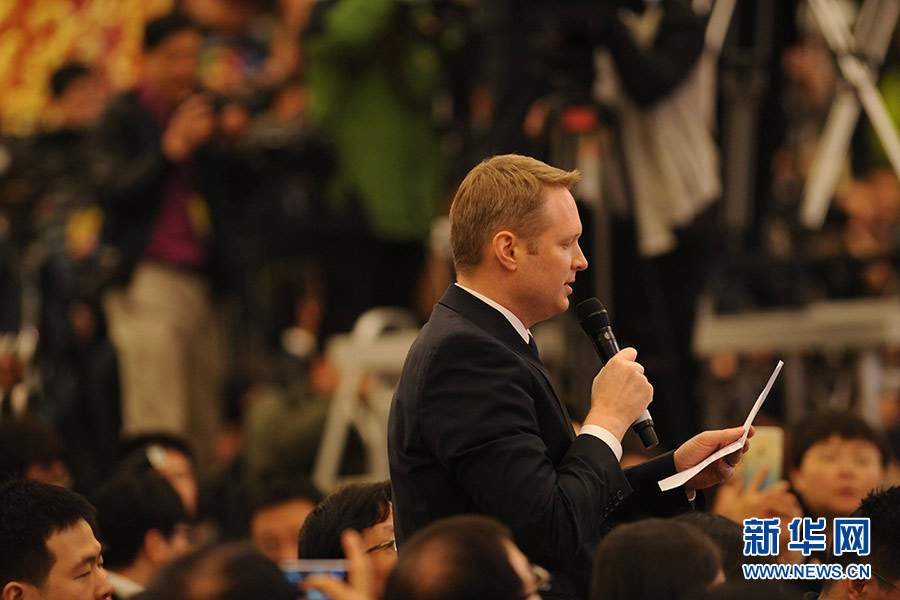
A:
(594, 319)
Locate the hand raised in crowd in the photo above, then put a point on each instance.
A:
(359, 574)
(233, 122)
(620, 393)
(192, 124)
(738, 502)
(696, 449)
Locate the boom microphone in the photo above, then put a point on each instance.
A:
(594, 319)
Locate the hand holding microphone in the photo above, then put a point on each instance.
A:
(621, 388)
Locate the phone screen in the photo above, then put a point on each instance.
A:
(766, 448)
(295, 571)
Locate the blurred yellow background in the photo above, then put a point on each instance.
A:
(38, 36)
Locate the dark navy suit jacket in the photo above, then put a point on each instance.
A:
(477, 427)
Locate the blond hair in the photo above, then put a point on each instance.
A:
(503, 192)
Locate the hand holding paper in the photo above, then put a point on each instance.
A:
(704, 473)
(708, 458)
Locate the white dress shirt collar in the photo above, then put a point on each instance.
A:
(513, 319)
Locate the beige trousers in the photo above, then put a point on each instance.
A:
(169, 341)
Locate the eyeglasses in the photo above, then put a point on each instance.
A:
(392, 543)
(542, 579)
(885, 581)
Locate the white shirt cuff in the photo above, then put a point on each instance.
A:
(599, 432)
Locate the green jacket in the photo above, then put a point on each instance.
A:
(372, 78)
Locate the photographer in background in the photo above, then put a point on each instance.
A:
(165, 171)
(624, 89)
(658, 79)
(374, 67)
(70, 377)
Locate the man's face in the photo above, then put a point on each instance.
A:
(77, 573)
(547, 264)
(880, 590)
(170, 67)
(230, 17)
(887, 590)
(55, 473)
(178, 469)
(384, 558)
(865, 589)
(836, 474)
(82, 101)
(275, 529)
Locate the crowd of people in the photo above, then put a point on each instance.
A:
(237, 270)
(137, 541)
(174, 256)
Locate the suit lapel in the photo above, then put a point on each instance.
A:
(492, 321)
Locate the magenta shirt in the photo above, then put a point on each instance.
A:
(175, 240)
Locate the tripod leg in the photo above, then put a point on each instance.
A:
(828, 160)
(874, 29)
(860, 77)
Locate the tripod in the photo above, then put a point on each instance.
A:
(872, 35)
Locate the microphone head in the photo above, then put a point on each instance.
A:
(592, 316)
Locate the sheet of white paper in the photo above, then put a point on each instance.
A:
(680, 479)
(762, 398)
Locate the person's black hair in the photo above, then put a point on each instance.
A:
(748, 590)
(281, 489)
(65, 75)
(882, 508)
(233, 571)
(157, 30)
(30, 513)
(356, 506)
(458, 557)
(728, 537)
(128, 507)
(259, 5)
(819, 427)
(26, 441)
(134, 449)
(663, 559)
(883, 511)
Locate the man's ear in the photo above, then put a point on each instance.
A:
(505, 248)
(856, 588)
(14, 590)
(155, 546)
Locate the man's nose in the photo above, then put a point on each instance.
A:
(104, 585)
(580, 263)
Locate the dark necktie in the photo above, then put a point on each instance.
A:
(533, 345)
